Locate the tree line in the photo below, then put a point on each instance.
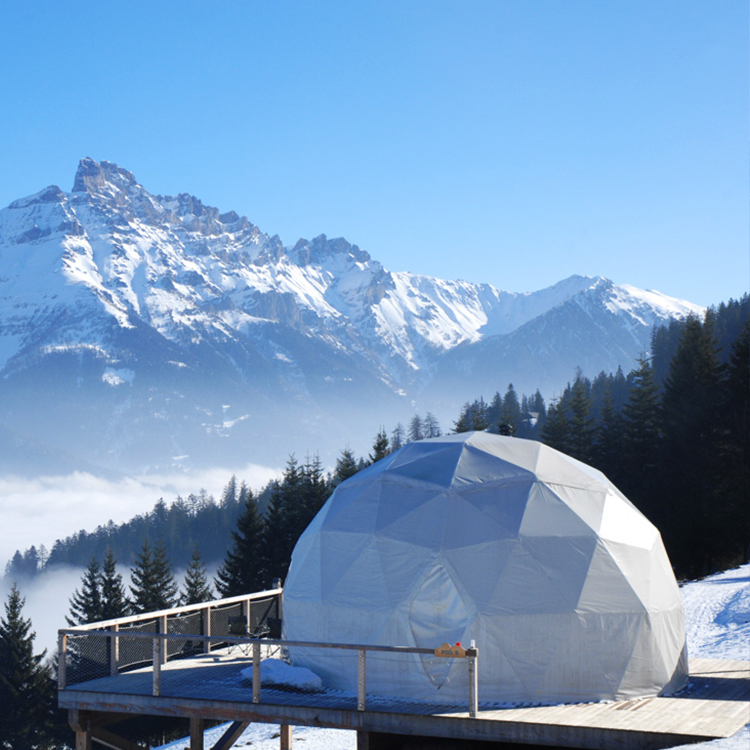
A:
(673, 434)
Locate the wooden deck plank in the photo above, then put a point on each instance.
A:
(715, 704)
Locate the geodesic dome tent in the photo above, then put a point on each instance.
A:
(564, 585)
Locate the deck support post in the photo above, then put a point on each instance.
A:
(285, 737)
(361, 679)
(83, 740)
(196, 733)
(231, 735)
(256, 671)
(112, 741)
(80, 723)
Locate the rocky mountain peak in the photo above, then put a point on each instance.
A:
(94, 177)
(321, 248)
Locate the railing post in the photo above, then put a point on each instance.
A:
(361, 679)
(157, 667)
(207, 629)
(114, 650)
(164, 641)
(472, 654)
(62, 660)
(277, 585)
(256, 671)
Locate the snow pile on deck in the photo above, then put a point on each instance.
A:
(277, 672)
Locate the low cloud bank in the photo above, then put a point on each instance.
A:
(40, 511)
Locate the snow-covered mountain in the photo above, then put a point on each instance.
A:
(139, 329)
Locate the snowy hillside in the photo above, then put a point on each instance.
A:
(717, 611)
(140, 330)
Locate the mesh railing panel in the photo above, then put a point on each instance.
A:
(188, 624)
(220, 619)
(261, 611)
(87, 658)
(135, 652)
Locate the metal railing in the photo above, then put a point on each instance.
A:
(109, 647)
(153, 638)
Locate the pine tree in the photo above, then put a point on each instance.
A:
(281, 523)
(664, 342)
(197, 589)
(242, 570)
(380, 448)
(581, 438)
(294, 502)
(14, 567)
(153, 586)
(537, 406)
(479, 419)
(27, 691)
(692, 443)
(398, 437)
(315, 492)
(556, 428)
(114, 599)
(734, 483)
(86, 606)
(464, 423)
(511, 411)
(274, 541)
(346, 466)
(229, 496)
(608, 439)
(641, 442)
(495, 412)
(415, 431)
(430, 426)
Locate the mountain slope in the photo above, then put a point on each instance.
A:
(140, 330)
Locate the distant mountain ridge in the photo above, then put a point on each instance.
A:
(140, 330)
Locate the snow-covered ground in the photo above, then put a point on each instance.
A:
(717, 610)
(717, 614)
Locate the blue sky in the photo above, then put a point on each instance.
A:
(509, 142)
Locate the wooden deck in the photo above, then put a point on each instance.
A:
(715, 704)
